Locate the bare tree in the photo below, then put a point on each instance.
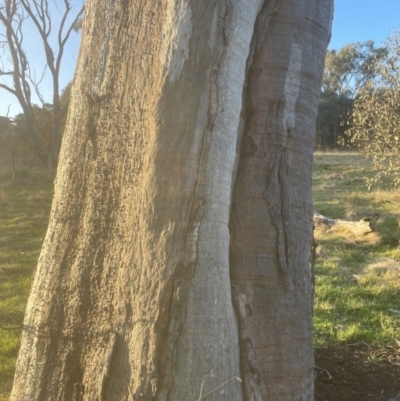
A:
(23, 80)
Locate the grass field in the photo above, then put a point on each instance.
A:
(24, 210)
(358, 278)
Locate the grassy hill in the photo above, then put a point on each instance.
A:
(357, 278)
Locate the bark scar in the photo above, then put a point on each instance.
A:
(313, 258)
(90, 122)
(181, 281)
(278, 204)
(191, 236)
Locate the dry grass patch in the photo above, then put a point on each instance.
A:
(347, 236)
(383, 272)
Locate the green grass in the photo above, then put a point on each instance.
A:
(24, 210)
(358, 278)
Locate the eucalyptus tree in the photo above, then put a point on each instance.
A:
(175, 266)
(346, 73)
(375, 118)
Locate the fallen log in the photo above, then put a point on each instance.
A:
(358, 228)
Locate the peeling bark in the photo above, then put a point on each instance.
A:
(150, 284)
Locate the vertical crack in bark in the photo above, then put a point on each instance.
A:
(253, 387)
(269, 9)
(104, 369)
(252, 384)
(178, 293)
(90, 119)
(313, 258)
(277, 196)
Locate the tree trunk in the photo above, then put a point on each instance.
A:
(141, 291)
(14, 154)
(271, 224)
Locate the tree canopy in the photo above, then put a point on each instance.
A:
(346, 72)
(375, 120)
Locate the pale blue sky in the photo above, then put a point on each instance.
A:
(360, 20)
(354, 21)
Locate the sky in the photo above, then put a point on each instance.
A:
(354, 21)
(360, 20)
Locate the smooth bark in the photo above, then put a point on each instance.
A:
(159, 278)
(272, 207)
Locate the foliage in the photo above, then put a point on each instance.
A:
(13, 145)
(332, 111)
(347, 70)
(15, 141)
(346, 73)
(375, 121)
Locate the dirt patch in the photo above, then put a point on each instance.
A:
(357, 372)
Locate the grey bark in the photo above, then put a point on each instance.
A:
(271, 222)
(157, 279)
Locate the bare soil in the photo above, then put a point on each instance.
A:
(357, 372)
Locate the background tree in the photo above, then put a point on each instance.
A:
(13, 145)
(375, 120)
(23, 81)
(346, 72)
(176, 257)
(5, 157)
(350, 68)
(5, 123)
(333, 110)
(15, 131)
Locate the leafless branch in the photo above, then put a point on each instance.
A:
(2, 72)
(7, 88)
(35, 82)
(13, 13)
(61, 40)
